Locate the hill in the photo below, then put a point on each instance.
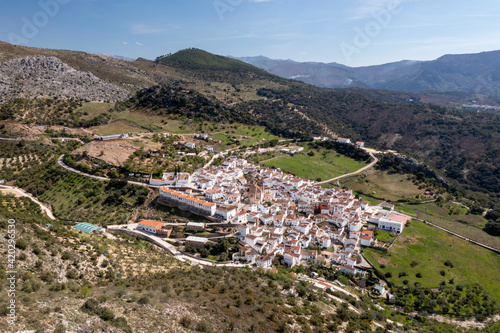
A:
(189, 103)
(473, 73)
(460, 144)
(41, 76)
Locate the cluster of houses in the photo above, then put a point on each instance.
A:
(346, 140)
(338, 227)
(283, 215)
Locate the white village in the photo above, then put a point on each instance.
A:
(277, 216)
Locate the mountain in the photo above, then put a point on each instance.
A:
(203, 65)
(117, 57)
(474, 73)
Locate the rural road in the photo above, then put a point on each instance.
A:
(369, 166)
(36, 139)
(130, 229)
(61, 163)
(15, 190)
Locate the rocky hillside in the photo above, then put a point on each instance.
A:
(40, 76)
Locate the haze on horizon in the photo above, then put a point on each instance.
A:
(349, 32)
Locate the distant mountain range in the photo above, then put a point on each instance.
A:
(473, 73)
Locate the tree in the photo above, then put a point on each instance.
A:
(113, 174)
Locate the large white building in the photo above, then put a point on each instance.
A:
(394, 222)
(185, 201)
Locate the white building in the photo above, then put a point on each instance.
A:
(227, 213)
(150, 226)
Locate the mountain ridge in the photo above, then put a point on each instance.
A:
(474, 72)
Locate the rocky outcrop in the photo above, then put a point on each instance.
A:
(41, 76)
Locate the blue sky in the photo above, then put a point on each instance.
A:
(350, 32)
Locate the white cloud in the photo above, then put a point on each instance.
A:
(138, 43)
(366, 9)
(125, 43)
(142, 29)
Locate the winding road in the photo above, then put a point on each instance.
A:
(20, 192)
(131, 230)
(369, 166)
(61, 163)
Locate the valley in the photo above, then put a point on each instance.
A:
(263, 206)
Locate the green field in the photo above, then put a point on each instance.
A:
(453, 217)
(117, 127)
(247, 135)
(384, 236)
(318, 166)
(391, 187)
(429, 248)
(90, 110)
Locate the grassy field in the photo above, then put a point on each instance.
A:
(318, 166)
(390, 187)
(90, 110)
(384, 236)
(453, 217)
(428, 248)
(247, 135)
(117, 127)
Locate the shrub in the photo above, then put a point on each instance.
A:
(418, 275)
(448, 264)
(202, 327)
(388, 274)
(401, 274)
(185, 322)
(21, 244)
(143, 300)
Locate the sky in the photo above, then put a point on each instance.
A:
(350, 32)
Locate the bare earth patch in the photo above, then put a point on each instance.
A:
(114, 152)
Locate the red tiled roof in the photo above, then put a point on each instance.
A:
(153, 224)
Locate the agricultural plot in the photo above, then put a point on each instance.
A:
(431, 257)
(319, 166)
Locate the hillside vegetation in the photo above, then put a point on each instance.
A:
(69, 280)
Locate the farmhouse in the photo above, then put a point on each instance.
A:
(344, 140)
(150, 226)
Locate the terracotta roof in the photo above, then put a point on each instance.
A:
(153, 224)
